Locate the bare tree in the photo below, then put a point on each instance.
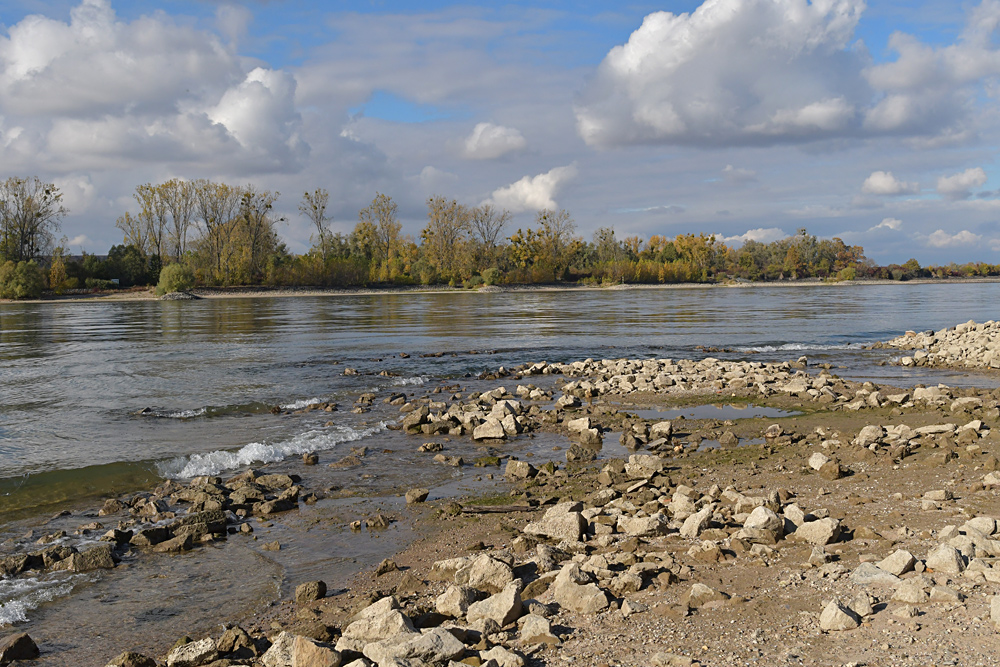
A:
(30, 211)
(447, 225)
(255, 216)
(154, 215)
(179, 198)
(487, 225)
(381, 216)
(313, 206)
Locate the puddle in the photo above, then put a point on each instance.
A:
(713, 411)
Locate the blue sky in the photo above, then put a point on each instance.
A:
(875, 122)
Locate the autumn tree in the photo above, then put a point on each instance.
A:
(486, 225)
(313, 206)
(379, 219)
(179, 198)
(217, 208)
(555, 238)
(448, 222)
(30, 211)
(257, 227)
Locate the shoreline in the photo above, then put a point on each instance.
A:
(285, 292)
(770, 463)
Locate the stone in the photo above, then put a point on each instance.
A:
(661, 430)
(910, 591)
(193, 654)
(501, 657)
(491, 429)
(836, 618)
(697, 522)
(823, 531)
(455, 601)
(868, 574)
(945, 559)
(132, 659)
(414, 496)
(485, 573)
(519, 470)
(310, 591)
(434, 647)
(504, 607)
(995, 611)
(561, 522)
(280, 653)
(17, 647)
(644, 526)
(898, 563)
(537, 629)
(862, 605)
(764, 519)
(97, 558)
(662, 659)
(831, 470)
(869, 435)
(700, 595)
(729, 439)
(572, 590)
(307, 652)
(378, 621)
(818, 460)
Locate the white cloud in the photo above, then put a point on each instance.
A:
(738, 175)
(958, 186)
(78, 241)
(762, 235)
(884, 183)
(750, 72)
(533, 193)
(433, 180)
(894, 224)
(942, 239)
(489, 141)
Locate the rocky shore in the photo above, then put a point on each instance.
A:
(860, 528)
(968, 345)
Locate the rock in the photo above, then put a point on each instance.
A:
(823, 531)
(862, 605)
(17, 647)
(308, 652)
(818, 460)
(995, 611)
(281, 652)
(644, 526)
(836, 617)
(485, 573)
(519, 470)
(414, 496)
(697, 522)
(310, 591)
(868, 574)
(491, 429)
(700, 595)
(132, 659)
(946, 559)
(728, 439)
(501, 657)
(378, 621)
(504, 607)
(581, 453)
(455, 601)
(562, 522)
(537, 630)
(573, 591)
(869, 435)
(434, 647)
(898, 563)
(764, 519)
(831, 470)
(662, 659)
(233, 639)
(310, 459)
(193, 654)
(661, 430)
(97, 558)
(910, 591)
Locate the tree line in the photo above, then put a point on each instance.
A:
(226, 235)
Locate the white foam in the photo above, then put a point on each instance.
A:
(186, 414)
(405, 382)
(22, 595)
(799, 347)
(213, 463)
(304, 403)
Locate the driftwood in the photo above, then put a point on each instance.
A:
(496, 509)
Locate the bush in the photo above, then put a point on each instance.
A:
(175, 278)
(491, 276)
(98, 283)
(847, 273)
(473, 282)
(23, 280)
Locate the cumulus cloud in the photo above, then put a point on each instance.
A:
(761, 234)
(959, 186)
(751, 72)
(489, 141)
(895, 224)
(87, 92)
(738, 175)
(942, 239)
(884, 183)
(533, 193)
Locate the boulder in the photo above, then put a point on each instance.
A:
(898, 563)
(132, 659)
(434, 647)
(519, 470)
(96, 558)
(817, 460)
(504, 607)
(700, 595)
(644, 526)
(697, 522)
(455, 601)
(868, 574)
(193, 654)
(491, 429)
(17, 647)
(501, 657)
(378, 621)
(823, 531)
(307, 652)
(281, 652)
(572, 590)
(485, 573)
(310, 591)
(837, 617)
(562, 522)
(537, 630)
(414, 496)
(946, 559)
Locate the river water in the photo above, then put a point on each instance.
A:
(98, 398)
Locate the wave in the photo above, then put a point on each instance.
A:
(304, 403)
(407, 382)
(184, 414)
(214, 463)
(799, 347)
(22, 595)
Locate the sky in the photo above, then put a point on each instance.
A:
(876, 122)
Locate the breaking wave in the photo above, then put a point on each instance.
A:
(799, 347)
(304, 403)
(22, 595)
(214, 463)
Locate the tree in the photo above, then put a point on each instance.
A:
(313, 206)
(381, 216)
(135, 232)
(447, 225)
(179, 198)
(57, 271)
(217, 207)
(30, 211)
(258, 227)
(555, 235)
(486, 224)
(20, 280)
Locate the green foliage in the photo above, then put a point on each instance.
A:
(21, 280)
(98, 284)
(175, 278)
(491, 276)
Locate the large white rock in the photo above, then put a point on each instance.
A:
(837, 617)
(485, 573)
(697, 522)
(562, 522)
(193, 654)
(946, 559)
(823, 531)
(900, 562)
(504, 607)
(455, 601)
(573, 591)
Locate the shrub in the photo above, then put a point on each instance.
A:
(847, 273)
(473, 282)
(175, 278)
(98, 283)
(491, 276)
(23, 280)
